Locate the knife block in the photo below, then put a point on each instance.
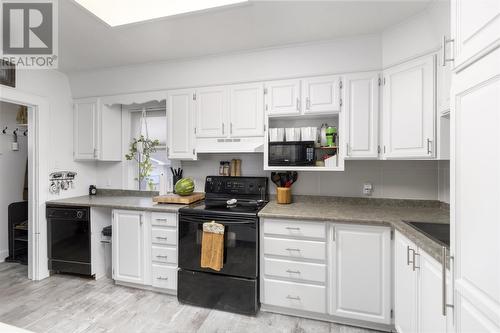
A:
(284, 195)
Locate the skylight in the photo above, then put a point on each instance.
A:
(121, 12)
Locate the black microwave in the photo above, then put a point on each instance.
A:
(291, 153)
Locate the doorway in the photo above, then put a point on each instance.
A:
(14, 226)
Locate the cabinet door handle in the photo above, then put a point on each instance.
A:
(298, 104)
(296, 298)
(231, 128)
(445, 58)
(292, 272)
(140, 219)
(293, 228)
(429, 146)
(293, 249)
(308, 103)
(444, 257)
(222, 128)
(415, 254)
(408, 262)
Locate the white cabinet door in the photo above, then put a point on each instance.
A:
(361, 273)
(475, 26)
(211, 112)
(362, 113)
(321, 95)
(430, 318)
(180, 120)
(283, 97)
(129, 246)
(110, 133)
(409, 109)
(85, 129)
(405, 286)
(246, 110)
(475, 193)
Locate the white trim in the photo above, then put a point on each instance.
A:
(38, 140)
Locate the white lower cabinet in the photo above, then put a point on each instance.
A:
(361, 272)
(129, 246)
(343, 277)
(418, 290)
(145, 249)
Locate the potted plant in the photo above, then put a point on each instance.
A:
(141, 149)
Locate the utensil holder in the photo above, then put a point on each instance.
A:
(175, 179)
(284, 195)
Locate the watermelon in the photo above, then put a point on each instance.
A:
(184, 186)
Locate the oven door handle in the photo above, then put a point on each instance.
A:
(189, 220)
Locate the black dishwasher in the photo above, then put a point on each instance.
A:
(69, 242)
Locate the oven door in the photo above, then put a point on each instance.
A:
(240, 243)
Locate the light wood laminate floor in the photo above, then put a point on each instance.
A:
(66, 304)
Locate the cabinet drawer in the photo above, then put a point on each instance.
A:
(164, 236)
(165, 255)
(295, 270)
(164, 277)
(164, 219)
(295, 248)
(295, 228)
(298, 296)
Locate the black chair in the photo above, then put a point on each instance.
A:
(18, 232)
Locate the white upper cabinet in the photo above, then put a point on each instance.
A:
(475, 26)
(246, 110)
(85, 129)
(211, 112)
(362, 273)
(362, 115)
(283, 97)
(97, 131)
(409, 111)
(321, 95)
(180, 124)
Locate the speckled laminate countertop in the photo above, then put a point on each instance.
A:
(122, 201)
(367, 211)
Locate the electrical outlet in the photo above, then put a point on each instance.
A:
(367, 189)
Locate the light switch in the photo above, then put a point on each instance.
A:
(367, 189)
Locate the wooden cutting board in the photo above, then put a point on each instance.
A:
(179, 199)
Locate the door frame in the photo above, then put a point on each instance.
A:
(38, 139)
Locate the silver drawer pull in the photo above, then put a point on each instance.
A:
(161, 219)
(159, 256)
(162, 278)
(162, 238)
(296, 298)
(292, 272)
(415, 254)
(290, 249)
(293, 228)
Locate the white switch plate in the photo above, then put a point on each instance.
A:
(367, 189)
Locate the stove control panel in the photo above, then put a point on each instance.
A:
(236, 185)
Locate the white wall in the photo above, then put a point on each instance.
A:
(12, 170)
(390, 179)
(341, 55)
(54, 86)
(416, 36)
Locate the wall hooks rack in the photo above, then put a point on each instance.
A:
(6, 131)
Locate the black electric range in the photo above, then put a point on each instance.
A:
(235, 203)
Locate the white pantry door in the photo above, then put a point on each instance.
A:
(475, 195)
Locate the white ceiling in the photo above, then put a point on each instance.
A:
(87, 43)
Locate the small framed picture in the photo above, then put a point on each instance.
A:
(7, 73)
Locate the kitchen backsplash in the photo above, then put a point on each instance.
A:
(390, 179)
